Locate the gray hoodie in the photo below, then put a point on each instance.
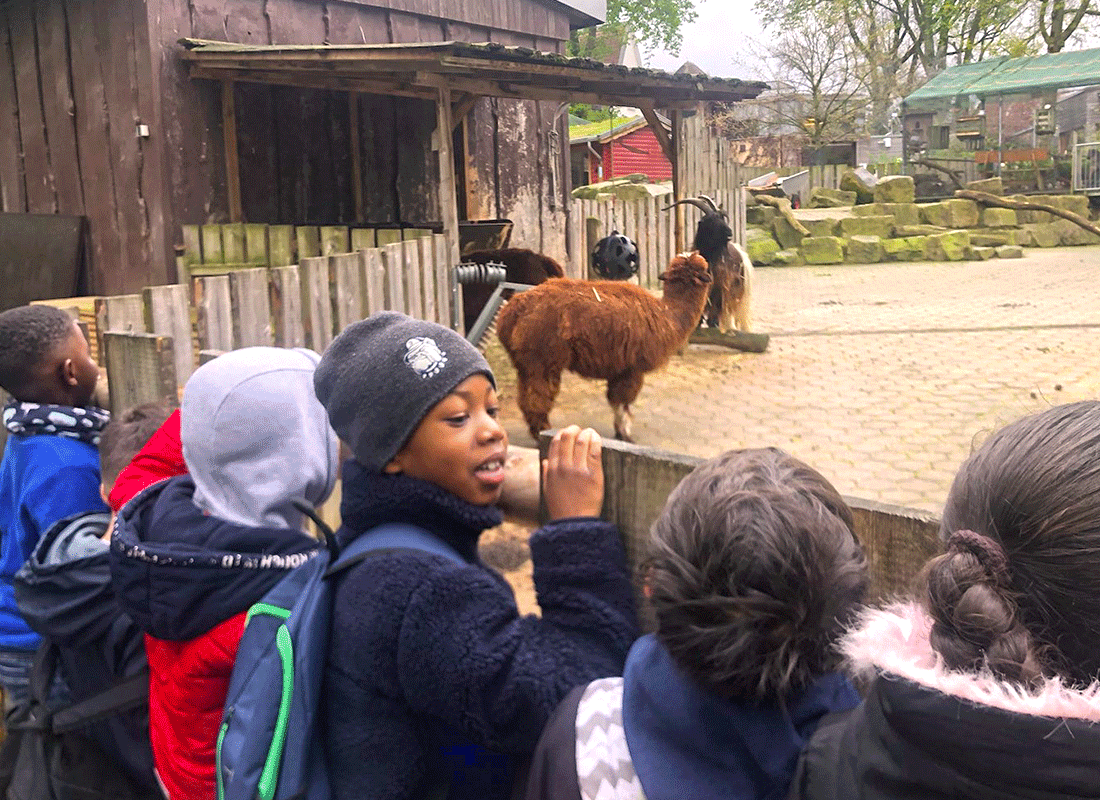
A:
(255, 437)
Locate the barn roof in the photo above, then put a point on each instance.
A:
(1003, 76)
(477, 69)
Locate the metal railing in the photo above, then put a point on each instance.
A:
(1086, 167)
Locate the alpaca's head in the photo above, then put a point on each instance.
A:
(686, 269)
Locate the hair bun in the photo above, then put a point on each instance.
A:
(989, 553)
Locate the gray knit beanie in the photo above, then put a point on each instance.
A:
(382, 375)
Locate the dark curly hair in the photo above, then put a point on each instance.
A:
(124, 437)
(27, 335)
(1018, 590)
(754, 571)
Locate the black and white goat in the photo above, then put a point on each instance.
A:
(730, 267)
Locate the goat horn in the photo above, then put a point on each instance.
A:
(714, 208)
(694, 201)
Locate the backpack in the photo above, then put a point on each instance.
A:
(269, 745)
(47, 756)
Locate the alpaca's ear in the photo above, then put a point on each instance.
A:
(663, 276)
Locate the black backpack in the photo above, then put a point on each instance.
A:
(47, 756)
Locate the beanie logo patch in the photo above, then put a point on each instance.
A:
(424, 356)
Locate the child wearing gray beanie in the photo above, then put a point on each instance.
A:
(435, 685)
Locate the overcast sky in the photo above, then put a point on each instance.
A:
(716, 41)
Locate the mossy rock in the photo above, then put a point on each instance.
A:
(1071, 234)
(1010, 251)
(865, 249)
(905, 249)
(882, 227)
(903, 213)
(860, 182)
(952, 214)
(989, 237)
(823, 250)
(785, 233)
(919, 230)
(950, 246)
(788, 258)
(979, 253)
(831, 198)
(761, 248)
(998, 218)
(1042, 234)
(822, 227)
(988, 185)
(760, 215)
(895, 189)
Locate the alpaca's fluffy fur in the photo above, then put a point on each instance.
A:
(523, 266)
(599, 329)
(895, 640)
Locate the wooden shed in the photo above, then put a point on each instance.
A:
(298, 112)
(623, 149)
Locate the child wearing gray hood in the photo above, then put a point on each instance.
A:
(435, 686)
(192, 554)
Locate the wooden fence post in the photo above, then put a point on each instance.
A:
(214, 312)
(250, 294)
(428, 273)
(286, 306)
(414, 298)
(140, 369)
(374, 280)
(347, 279)
(124, 313)
(317, 302)
(168, 313)
(393, 258)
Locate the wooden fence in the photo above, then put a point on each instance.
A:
(150, 343)
(827, 176)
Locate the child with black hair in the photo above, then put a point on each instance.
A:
(50, 469)
(435, 686)
(753, 570)
(65, 593)
(986, 685)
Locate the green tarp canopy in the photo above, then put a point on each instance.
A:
(1003, 76)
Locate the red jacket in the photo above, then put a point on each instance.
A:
(160, 458)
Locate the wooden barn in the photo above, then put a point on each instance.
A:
(619, 148)
(143, 116)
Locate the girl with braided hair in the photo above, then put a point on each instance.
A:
(987, 685)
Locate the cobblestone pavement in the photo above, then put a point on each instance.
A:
(882, 376)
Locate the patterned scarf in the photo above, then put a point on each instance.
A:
(34, 419)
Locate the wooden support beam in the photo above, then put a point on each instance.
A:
(659, 131)
(232, 161)
(461, 109)
(448, 200)
(677, 180)
(356, 156)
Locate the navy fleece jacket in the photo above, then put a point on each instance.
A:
(430, 662)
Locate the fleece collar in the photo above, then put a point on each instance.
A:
(895, 640)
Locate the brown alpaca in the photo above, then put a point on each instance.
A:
(599, 329)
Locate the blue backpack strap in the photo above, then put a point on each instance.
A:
(392, 536)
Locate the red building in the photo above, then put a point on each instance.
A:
(621, 148)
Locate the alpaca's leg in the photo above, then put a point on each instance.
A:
(622, 390)
(535, 395)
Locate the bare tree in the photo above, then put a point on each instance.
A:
(1059, 22)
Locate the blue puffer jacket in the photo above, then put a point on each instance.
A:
(430, 663)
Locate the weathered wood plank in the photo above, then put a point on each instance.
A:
(233, 243)
(13, 195)
(346, 271)
(334, 240)
(286, 306)
(448, 200)
(213, 251)
(214, 312)
(309, 241)
(41, 194)
(374, 280)
(250, 294)
(192, 245)
(362, 238)
(121, 314)
(168, 313)
(232, 159)
(317, 302)
(393, 257)
(140, 369)
(388, 236)
(414, 298)
(280, 243)
(255, 244)
(427, 273)
(57, 102)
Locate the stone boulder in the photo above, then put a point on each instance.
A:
(1072, 234)
(1041, 234)
(919, 230)
(910, 248)
(785, 233)
(593, 190)
(831, 198)
(641, 191)
(823, 250)
(979, 253)
(822, 227)
(895, 189)
(861, 182)
(1077, 203)
(865, 249)
(985, 237)
(882, 227)
(952, 214)
(903, 213)
(988, 185)
(950, 246)
(760, 215)
(760, 246)
(998, 218)
(1010, 251)
(788, 258)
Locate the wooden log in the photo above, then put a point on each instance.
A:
(783, 206)
(317, 302)
(140, 369)
(346, 274)
(286, 306)
(736, 340)
(1027, 205)
(250, 294)
(168, 313)
(593, 232)
(214, 312)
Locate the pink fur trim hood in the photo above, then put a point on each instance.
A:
(894, 640)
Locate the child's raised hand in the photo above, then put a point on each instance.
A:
(572, 474)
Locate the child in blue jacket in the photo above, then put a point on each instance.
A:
(435, 685)
(50, 469)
